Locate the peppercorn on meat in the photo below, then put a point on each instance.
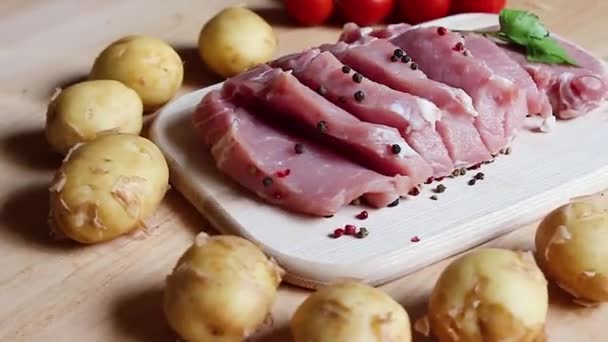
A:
(264, 158)
(284, 98)
(415, 117)
(383, 62)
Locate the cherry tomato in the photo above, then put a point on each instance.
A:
(310, 12)
(486, 6)
(416, 11)
(365, 12)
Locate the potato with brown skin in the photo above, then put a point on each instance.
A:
(148, 65)
(350, 312)
(490, 295)
(107, 187)
(81, 112)
(222, 289)
(572, 250)
(235, 40)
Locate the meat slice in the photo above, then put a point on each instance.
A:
(372, 57)
(415, 117)
(500, 62)
(253, 152)
(572, 91)
(500, 103)
(352, 32)
(285, 98)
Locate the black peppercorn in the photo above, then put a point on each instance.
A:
(406, 59)
(398, 53)
(414, 66)
(394, 58)
(396, 149)
(346, 69)
(357, 77)
(267, 181)
(299, 148)
(393, 204)
(322, 126)
(359, 95)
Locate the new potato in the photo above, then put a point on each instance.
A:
(81, 112)
(235, 40)
(490, 295)
(572, 249)
(222, 289)
(350, 312)
(107, 187)
(148, 65)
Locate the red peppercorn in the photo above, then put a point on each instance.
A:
(475, 167)
(429, 181)
(442, 31)
(415, 239)
(459, 46)
(338, 232)
(363, 215)
(283, 173)
(440, 179)
(350, 229)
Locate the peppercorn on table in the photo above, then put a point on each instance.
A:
(112, 292)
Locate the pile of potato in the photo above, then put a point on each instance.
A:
(111, 179)
(223, 289)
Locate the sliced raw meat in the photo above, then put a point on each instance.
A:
(485, 50)
(500, 103)
(572, 91)
(352, 32)
(372, 58)
(254, 153)
(415, 117)
(286, 99)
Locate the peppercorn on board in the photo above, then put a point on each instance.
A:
(539, 172)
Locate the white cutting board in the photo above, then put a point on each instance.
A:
(543, 172)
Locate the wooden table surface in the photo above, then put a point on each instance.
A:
(53, 291)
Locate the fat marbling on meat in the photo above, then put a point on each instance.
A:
(285, 98)
(253, 152)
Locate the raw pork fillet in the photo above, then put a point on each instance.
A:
(500, 62)
(572, 91)
(415, 117)
(352, 32)
(372, 57)
(284, 97)
(252, 152)
(501, 105)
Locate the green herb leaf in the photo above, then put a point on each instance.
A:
(547, 50)
(525, 30)
(521, 26)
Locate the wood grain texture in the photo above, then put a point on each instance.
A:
(111, 292)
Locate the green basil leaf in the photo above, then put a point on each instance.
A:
(521, 25)
(548, 50)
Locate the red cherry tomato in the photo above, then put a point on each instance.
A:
(365, 12)
(310, 12)
(486, 6)
(416, 11)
